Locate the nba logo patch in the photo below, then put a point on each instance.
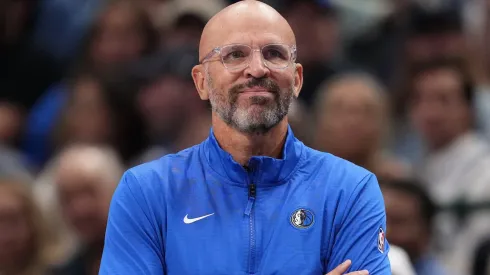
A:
(302, 218)
(381, 240)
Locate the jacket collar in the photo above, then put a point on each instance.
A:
(262, 171)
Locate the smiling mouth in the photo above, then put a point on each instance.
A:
(255, 91)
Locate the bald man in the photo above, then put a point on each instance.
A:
(85, 178)
(251, 198)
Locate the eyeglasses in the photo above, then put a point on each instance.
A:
(236, 57)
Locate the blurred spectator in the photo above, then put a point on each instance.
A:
(409, 213)
(456, 164)
(23, 233)
(434, 35)
(24, 71)
(442, 110)
(85, 180)
(185, 20)
(351, 122)
(121, 34)
(175, 116)
(101, 109)
(317, 39)
(431, 35)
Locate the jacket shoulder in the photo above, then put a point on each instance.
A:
(159, 171)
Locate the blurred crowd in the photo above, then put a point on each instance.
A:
(90, 88)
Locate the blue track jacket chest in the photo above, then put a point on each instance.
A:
(198, 212)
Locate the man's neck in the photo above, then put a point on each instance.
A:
(243, 146)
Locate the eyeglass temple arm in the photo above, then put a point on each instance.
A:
(210, 54)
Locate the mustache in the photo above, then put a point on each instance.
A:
(266, 83)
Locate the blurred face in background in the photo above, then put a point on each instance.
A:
(439, 109)
(84, 198)
(427, 47)
(164, 105)
(405, 226)
(350, 121)
(317, 37)
(16, 232)
(87, 118)
(119, 35)
(185, 31)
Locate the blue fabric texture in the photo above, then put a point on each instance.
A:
(200, 212)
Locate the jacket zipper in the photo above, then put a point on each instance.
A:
(249, 211)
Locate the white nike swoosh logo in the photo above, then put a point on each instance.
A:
(187, 220)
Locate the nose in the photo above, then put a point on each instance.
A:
(256, 67)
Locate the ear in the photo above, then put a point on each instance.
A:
(298, 79)
(199, 77)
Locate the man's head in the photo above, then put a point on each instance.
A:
(186, 20)
(350, 116)
(318, 37)
(166, 96)
(247, 69)
(85, 179)
(409, 213)
(441, 102)
(435, 34)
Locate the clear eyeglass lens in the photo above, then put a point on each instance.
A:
(277, 56)
(238, 56)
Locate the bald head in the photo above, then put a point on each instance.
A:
(243, 23)
(85, 180)
(360, 88)
(96, 163)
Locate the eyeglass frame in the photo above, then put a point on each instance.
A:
(217, 50)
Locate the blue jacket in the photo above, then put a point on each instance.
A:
(200, 212)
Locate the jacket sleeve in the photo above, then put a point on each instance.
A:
(132, 243)
(360, 236)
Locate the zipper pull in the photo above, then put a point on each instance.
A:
(251, 198)
(252, 190)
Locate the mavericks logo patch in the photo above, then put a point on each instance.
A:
(302, 218)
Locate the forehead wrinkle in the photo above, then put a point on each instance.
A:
(244, 20)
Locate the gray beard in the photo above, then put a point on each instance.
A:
(246, 120)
